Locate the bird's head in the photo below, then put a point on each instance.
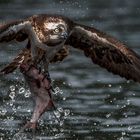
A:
(52, 30)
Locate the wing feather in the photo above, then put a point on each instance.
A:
(106, 51)
(24, 56)
(14, 30)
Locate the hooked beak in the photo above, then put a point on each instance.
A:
(64, 35)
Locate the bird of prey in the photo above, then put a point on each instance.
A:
(50, 35)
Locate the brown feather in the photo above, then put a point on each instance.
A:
(26, 54)
(103, 49)
(106, 51)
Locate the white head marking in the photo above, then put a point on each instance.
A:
(53, 25)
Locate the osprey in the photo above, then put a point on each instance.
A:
(50, 35)
(48, 39)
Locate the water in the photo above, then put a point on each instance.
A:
(92, 104)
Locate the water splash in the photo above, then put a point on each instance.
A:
(108, 115)
(58, 135)
(57, 114)
(21, 90)
(12, 88)
(12, 95)
(61, 123)
(130, 128)
(66, 112)
(57, 90)
(3, 112)
(20, 136)
(27, 94)
(60, 109)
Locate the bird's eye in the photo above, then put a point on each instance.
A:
(57, 30)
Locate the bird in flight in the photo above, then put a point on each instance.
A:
(50, 35)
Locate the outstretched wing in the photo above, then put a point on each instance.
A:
(106, 51)
(23, 57)
(16, 30)
(21, 30)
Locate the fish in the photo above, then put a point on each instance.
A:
(40, 88)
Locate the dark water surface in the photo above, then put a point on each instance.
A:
(93, 104)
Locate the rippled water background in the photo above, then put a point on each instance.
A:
(102, 106)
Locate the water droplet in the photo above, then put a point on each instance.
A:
(61, 92)
(57, 90)
(70, 84)
(55, 129)
(27, 94)
(11, 118)
(61, 130)
(109, 85)
(3, 112)
(64, 83)
(20, 136)
(123, 133)
(11, 103)
(61, 123)
(12, 88)
(128, 102)
(56, 121)
(19, 107)
(95, 123)
(12, 95)
(14, 108)
(133, 94)
(126, 116)
(66, 112)
(60, 109)
(28, 110)
(121, 138)
(123, 106)
(108, 115)
(21, 90)
(56, 136)
(130, 128)
(57, 114)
